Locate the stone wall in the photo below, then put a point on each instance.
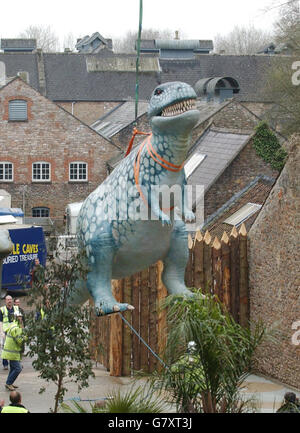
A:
(274, 278)
(50, 135)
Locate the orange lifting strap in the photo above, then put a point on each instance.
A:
(135, 132)
(165, 164)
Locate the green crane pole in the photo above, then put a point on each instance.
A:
(138, 60)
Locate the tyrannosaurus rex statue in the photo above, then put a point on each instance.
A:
(112, 228)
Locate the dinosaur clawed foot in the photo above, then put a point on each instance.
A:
(105, 307)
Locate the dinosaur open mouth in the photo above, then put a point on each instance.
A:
(179, 108)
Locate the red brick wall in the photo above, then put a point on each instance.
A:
(50, 135)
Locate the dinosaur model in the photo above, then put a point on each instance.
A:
(117, 241)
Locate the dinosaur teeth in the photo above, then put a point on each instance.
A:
(179, 108)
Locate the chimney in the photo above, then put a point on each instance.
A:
(176, 35)
(2, 74)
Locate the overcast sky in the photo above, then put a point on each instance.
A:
(196, 19)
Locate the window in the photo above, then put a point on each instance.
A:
(40, 212)
(243, 214)
(78, 171)
(41, 172)
(17, 110)
(191, 165)
(6, 171)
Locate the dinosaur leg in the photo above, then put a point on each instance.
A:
(101, 250)
(175, 262)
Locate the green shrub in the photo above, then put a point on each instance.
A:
(267, 146)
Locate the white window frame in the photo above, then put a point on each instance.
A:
(193, 163)
(41, 169)
(40, 208)
(16, 117)
(241, 215)
(3, 163)
(77, 171)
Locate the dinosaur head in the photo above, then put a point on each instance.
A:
(172, 108)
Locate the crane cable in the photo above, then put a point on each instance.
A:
(135, 130)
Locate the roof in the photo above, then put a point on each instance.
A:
(18, 44)
(256, 192)
(69, 79)
(154, 45)
(118, 118)
(86, 41)
(220, 149)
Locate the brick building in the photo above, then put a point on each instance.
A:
(48, 157)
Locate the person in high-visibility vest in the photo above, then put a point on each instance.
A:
(12, 351)
(7, 315)
(16, 404)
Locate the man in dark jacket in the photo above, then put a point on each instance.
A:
(291, 404)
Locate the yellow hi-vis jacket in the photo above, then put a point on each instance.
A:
(6, 321)
(14, 409)
(13, 345)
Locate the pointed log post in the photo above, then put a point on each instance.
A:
(136, 349)
(189, 280)
(217, 268)
(198, 261)
(116, 334)
(152, 316)
(234, 273)
(244, 289)
(207, 263)
(162, 315)
(107, 327)
(127, 337)
(144, 319)
(226, 271)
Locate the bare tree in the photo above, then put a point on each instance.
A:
(127, 43)
(69, 41)
(45, 37)
(287, 28)
(242, 40)
(282, 84)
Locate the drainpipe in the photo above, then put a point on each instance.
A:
(73, 103)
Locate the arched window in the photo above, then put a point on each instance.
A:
(78, 171)
(41, 171)
(17, 110)
(6, 171)
(40, 212)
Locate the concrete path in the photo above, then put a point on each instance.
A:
(267, 393)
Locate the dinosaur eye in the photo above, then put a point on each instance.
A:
(158, 92)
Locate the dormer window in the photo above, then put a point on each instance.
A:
(17, 110)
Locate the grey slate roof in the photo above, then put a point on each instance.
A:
(118, 118)
(220, 149)
(18, 44)
(67, 77)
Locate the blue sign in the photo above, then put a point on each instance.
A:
(28, 245)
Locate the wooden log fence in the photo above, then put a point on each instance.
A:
(216, 266)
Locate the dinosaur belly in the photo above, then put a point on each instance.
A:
(149, 243)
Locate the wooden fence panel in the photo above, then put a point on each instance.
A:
(218, 267)
(127, 337)
(198, 270)
(144, 319)
(152, 316)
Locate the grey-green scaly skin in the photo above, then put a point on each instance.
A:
(117, 243)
